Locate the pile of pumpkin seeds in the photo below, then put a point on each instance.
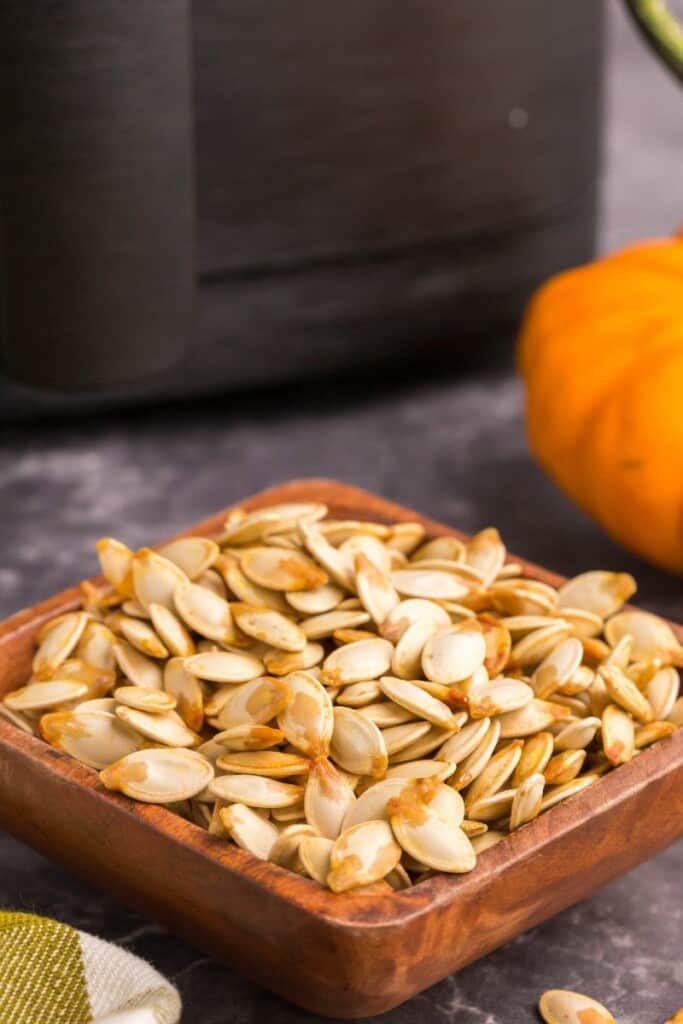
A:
(350, 700)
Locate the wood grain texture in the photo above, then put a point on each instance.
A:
(342, 956)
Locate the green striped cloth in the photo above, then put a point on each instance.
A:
(51, 973)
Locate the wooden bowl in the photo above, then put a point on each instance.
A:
(337, 955)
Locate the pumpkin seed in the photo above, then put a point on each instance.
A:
(185, 687)
(285, 850)
(405, 537)
(155, 579)
(194, 555)
(281, 570)
(359, 694)
(558, 1006)
(676, 713)
(22, 722)
(472, 829)
(399, 737)
(427, 743)
(170, 630)
(652, 637)
(269, 626)
(371, 805)
(536, 753)
(225, 666)
(255, 791)
(536, 716)
(154, 701)
(486, 552)
(520, 625)
(557, 668)
(213, 581)
(375, 590)
(473, 765)
(167, 728)
(460, 746)
(626, 694)
(307, 720)
(453, 654)
(317, 601)
(662, 691)
(42, 695)
(421, 769)
(206, 613)
(618, 735)
(315, 853)
(416, 700)
(398, 878)
(159, 775)
(254, 703)
(442, 547)
(353, 663)
(116, 564)
(140, 635)
(96, 738)
(602, 593)
(281, 663)
(526, 803)
(406, 661)
(249, 830)
(284, 517)
(498, 645)
(386, 714)
(652, 733)
(584, 624)
(96, 704)
(336, 564)
(492, 807)
(431, 584)
(357, 744)
(467, 574)
(99, 681)
(411, 611)
(577, 735)
(271, 764)
(320, 626)
(486, 840)
(58, 643)
(535, 646)
(556, 794)
(362, 854)
(564, 767)
(496, 773)
(498, 696)
(424, 834)
(522, 598)
(246, 591)
(96, 646)
(327, 798)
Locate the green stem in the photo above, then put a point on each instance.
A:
(662, 28)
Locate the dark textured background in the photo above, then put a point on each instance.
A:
(454, 449)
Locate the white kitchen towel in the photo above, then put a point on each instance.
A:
(51, 973)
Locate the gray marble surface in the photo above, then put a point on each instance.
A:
(454, 449)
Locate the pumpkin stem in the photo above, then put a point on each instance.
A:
(662, 29)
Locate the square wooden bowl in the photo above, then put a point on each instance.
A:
(337, 955)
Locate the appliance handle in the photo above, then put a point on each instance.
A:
(96, 191)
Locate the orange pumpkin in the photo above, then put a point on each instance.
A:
(601, 352)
